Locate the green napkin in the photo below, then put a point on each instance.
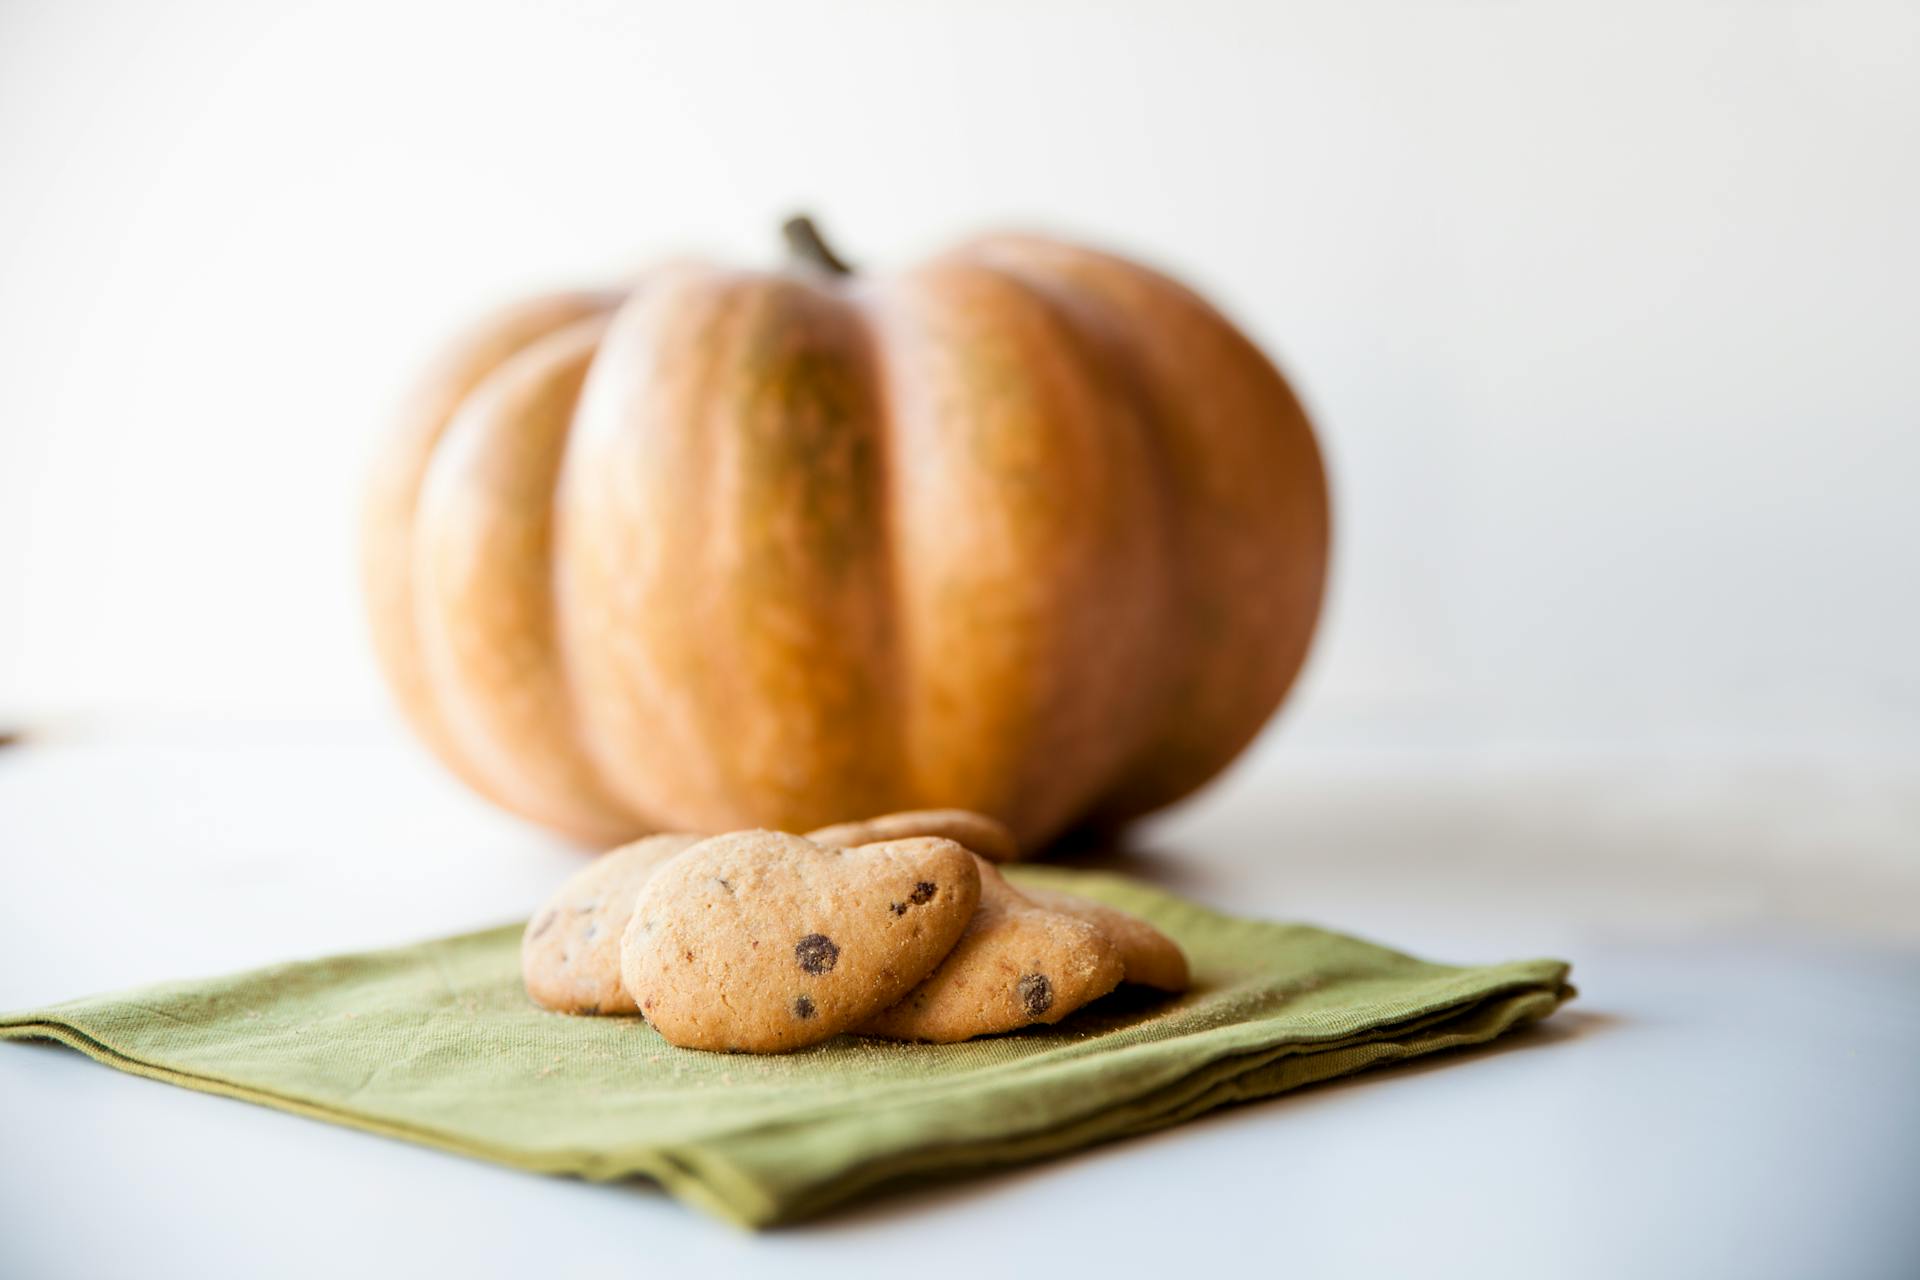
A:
(437, 1043)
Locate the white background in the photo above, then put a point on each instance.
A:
(1608, 314)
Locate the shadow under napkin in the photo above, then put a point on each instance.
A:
(437, 1043)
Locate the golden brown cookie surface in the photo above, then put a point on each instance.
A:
(1147, 955)
(570, 953)
(985, 836)
(1018, 963)
(765, 942)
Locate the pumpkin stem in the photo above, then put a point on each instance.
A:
(807, 245)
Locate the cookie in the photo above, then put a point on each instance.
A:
(1018, 963)
(765, 942)
(1147, 956)
(985, 836)
(570, 953)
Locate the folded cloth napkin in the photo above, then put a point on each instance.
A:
(437, 1043)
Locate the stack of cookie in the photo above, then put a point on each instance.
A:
(898, 927)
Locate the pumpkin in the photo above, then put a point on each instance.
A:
(1026, 529)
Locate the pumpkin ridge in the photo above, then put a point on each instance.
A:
(1108, 349)
(1248, 629)
(391, 506)
(859, 301)
(1027, 593)
(484, 571)
(800, 549)
(638, 738)
(580, 745)
(1112, 348)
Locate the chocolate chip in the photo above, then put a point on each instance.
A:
(593, 931)
(816, 953)
(541, 925)
(1036, 993)
(922, 894)
(802, 1007)
(723, 884)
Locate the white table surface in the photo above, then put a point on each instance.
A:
(1736, 1092)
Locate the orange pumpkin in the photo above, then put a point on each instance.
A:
(1027, 529)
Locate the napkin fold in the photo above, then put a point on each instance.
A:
(437, 1043)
